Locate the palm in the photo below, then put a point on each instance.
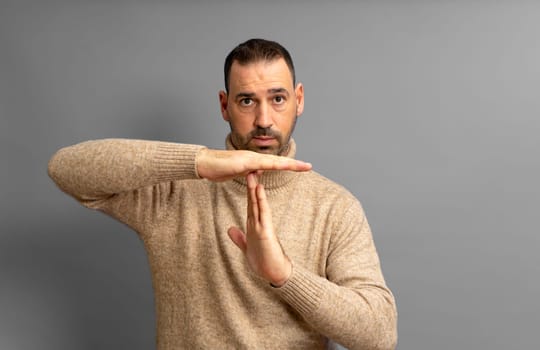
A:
(260, 244)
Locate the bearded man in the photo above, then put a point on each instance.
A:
(249, 248)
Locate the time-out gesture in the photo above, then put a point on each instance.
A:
(219, 165)
(259, 244)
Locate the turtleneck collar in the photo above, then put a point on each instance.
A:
(271, 179)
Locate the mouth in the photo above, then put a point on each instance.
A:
(263, 141)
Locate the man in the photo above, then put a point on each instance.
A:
(249, 248)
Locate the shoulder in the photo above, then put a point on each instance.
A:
(330, 204)
(325, 190)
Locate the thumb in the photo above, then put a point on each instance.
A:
(238, 237)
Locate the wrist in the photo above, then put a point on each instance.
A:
(282, 281)
(201, 159)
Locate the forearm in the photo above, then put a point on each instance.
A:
(98, 169)
(357, 318)
(349, 301)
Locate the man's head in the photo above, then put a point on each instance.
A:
(261, 102)
(255, 50)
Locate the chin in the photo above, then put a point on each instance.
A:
(265, 150)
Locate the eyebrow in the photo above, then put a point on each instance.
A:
(244, 94)
(269, 91)
(278, 91)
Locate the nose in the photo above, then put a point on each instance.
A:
(264, 116)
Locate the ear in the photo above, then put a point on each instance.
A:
(299, 91)
(223, 105)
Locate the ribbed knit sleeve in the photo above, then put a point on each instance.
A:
(303, 291)
(351, 304)
(97, 169)
(363, 321)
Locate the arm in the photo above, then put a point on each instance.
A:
(96, 170)
(352, 305)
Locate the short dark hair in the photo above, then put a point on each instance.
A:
(255, 50)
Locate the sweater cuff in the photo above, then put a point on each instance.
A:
(175, 161)
(303, 291)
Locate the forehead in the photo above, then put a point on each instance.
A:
(264, 74)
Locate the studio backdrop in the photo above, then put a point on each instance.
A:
(427, 111)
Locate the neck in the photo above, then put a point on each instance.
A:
(271, 179)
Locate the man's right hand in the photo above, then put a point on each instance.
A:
(219, 165)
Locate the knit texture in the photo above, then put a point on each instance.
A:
(206, 297)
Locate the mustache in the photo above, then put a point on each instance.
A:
(267, 132)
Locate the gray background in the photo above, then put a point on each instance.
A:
(426, 110)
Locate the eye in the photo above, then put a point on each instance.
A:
(279, 100)
(246, 102)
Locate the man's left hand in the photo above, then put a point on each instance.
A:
(259, 244)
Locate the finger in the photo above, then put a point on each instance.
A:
(253, 207)
(283, 163)
(250, 202)
(238, 237)
(251, 180)
(264, 208)
(297, 165)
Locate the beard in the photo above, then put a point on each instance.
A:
(245, 142)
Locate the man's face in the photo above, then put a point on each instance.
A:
(262, 105)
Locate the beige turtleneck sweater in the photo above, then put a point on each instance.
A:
(206, 297)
